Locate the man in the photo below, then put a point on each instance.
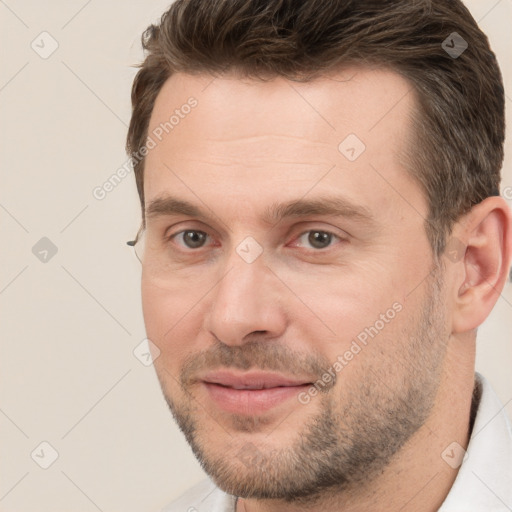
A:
(322, 236)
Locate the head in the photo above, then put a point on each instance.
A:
(324, 208)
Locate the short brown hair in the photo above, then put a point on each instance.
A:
(456, 150)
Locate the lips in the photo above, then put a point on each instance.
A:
(252, 380)
(251, 393)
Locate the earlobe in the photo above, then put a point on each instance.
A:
(486, 234)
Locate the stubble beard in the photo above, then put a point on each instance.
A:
(357, 429)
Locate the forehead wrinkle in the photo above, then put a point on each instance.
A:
(264, 147)
(269, 136)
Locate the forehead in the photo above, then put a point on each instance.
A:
(236, 136)
(359, 99)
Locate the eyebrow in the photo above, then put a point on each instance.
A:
(324, 206)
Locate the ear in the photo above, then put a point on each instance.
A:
(482, 240)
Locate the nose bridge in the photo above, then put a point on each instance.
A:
(246, 268)
(245, 299)
(239, 293)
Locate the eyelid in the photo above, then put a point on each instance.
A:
(334, 235)
(188, 249)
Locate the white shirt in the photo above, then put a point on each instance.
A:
(483, 483)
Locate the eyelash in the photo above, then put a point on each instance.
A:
(188, 249)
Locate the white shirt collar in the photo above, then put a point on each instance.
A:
(484, 481)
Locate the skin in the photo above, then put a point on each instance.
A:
(383, 424)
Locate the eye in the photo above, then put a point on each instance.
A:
(196, 239)
(318, 239)
(191, 238)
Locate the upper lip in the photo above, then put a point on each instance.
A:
(251, 380)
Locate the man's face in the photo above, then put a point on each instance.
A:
(238, 300)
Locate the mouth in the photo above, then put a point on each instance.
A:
(251, 393)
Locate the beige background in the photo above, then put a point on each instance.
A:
(69, 326)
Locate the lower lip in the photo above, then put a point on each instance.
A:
(251, 401)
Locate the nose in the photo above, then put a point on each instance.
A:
(247, 301)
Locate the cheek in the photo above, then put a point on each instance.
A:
(354, 319)
(342, 305)
(168, 322)
(152, 301)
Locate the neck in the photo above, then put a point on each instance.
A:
(421, 475)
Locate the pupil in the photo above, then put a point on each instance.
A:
(194, 239)
(319, 239)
